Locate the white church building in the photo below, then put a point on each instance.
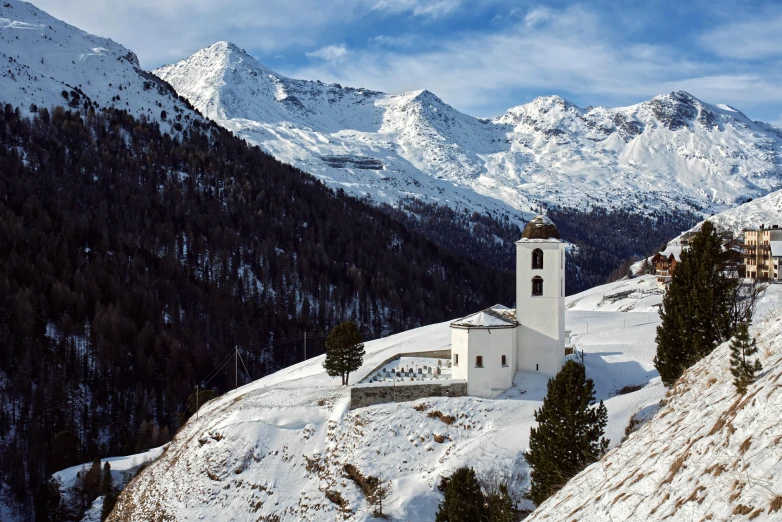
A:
(488, 347)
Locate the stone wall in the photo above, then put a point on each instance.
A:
(369, 394)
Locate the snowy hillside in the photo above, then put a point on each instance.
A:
(708, 454)
(673, 151)
(44, 57)
(761, 211)
(277, 446)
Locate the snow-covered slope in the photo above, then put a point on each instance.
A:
(766, 210)
(278, 445)
(43, 57)
(673, 151)
(708, 454)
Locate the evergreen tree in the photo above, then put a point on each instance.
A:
(108, 485)
(463, 501)
(344, 350)
(696, 307)
(569, 435)
(500, 506)
(743, 346)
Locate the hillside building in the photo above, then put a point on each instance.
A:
(664, 265)
(488, 347)
(762, 253)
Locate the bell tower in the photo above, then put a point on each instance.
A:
(540, 297)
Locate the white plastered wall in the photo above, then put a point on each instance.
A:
(541, 334)
(491, 344)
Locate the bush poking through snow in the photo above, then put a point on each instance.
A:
(437, 414)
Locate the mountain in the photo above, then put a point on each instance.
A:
(671, 152)
(48, 62)
(766, 210)
(278, 446)
(708, 454)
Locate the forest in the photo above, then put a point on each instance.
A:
(606, 242)
(133, 262)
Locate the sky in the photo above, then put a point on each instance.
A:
(482, 57)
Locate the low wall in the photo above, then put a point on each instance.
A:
(369, 394)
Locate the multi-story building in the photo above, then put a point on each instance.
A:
(762, 253)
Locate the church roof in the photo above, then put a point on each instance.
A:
(497, 316)
(540, 227)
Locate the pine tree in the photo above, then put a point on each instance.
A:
(344, 351)
(500, 506)
(463, 501)
(743, 346)
(696, 307)
(569, 435)
(107, 486)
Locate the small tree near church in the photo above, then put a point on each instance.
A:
(344, 351)
(569, 436)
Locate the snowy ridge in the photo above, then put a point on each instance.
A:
(44, 56)
(671, 152)
(278, 445)
(708, 454)
(766, 210)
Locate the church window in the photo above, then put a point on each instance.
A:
(504, 363)
(537, 259)
(456, 359)
(537, 285)
(479, 361)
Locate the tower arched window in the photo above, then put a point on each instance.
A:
(537, 285)
(537, 259)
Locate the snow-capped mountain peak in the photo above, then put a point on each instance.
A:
(50, 62)
(671, 152)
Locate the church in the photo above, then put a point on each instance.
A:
(488, 347)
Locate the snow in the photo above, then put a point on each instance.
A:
(399, 371)
(766, 211)
(44, 56)
(498, 316)
(708, 454)
(120, 466)
(671, 152)
(247, 455)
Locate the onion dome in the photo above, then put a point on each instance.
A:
(540, 227)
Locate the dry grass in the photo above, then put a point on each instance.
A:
(745, 445)
(776, 504)
(437, 414)
(741, 509)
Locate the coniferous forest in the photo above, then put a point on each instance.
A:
(133, 262)
(605, 241)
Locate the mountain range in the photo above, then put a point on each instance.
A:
(671, 152)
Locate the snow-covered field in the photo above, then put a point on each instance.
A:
(671, 152)
(278, 445)
(708, 454)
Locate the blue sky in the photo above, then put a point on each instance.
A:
(480, 57)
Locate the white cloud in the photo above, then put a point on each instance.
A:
(330, 53)
(755, 39)
(431, 8)
(393, 41)
(554, 51)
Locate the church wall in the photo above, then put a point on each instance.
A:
(491, 344)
